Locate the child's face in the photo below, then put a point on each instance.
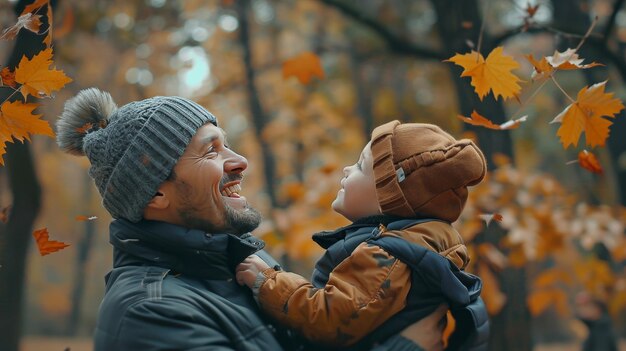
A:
(357, 196)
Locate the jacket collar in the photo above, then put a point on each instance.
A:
(326, 238)
(189, 251)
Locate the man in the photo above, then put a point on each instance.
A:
(168, 177)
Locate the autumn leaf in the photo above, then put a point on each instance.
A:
(493, 74)
(568, 60)
(585, 114)
(304, 66)
(85, 218)
(588, 161)
(36, 77)
(18, 121)
(7, 77)
(28, 21)
(489, 217)
(45, 245)
(477, 120)
(35, 6)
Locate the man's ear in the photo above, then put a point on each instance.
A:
(159, 201)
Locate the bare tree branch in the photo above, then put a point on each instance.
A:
(396, 44)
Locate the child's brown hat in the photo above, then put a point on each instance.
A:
(422, 170)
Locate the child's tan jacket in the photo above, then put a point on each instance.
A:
(362, 292)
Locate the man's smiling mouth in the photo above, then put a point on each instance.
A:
(232, 191)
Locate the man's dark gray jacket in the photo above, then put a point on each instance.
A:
(174, 289)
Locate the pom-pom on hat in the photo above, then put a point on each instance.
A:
(420, 170)
(132, 149)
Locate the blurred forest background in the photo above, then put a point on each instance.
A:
(558, 254)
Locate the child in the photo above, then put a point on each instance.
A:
(381, 273)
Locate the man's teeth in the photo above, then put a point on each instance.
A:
(231, 190)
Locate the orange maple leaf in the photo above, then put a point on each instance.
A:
(35, 6)
(477, 120)
(45, 245)
(28, 21)
(18, 121)
(588, 161)
(585, 114)
(7, 77)
(304, 66)
(37, 78)
(493, 74)
(566, 60)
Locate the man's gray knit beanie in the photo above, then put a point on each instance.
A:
(132, 149)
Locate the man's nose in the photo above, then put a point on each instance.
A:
(235, 163)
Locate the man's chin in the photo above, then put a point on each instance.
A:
(242, 221)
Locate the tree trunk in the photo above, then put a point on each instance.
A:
(83, 248)
(258, 115)
(15, 235)
(510, 329)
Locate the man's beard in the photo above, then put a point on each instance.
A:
(235, 222)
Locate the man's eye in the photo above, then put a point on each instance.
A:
(209, 152)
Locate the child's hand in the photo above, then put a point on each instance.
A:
(248, 270)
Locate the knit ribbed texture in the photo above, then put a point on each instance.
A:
(420, 170)
(139, 148)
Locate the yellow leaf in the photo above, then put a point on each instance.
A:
(304, 66)
(18, 121)
(493, 74)
(37, 78)
(477, 120)
(585, 114)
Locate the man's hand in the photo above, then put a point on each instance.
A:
(248, 270)
(428, 331)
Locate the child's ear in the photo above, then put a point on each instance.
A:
(159, 201)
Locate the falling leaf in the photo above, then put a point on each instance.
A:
(477, 120)
(36, 77)
(304, 66)
(541, 69)
(28, 21)
(35, 6)
(45, 245)
(588, 161)
(568, 60)
(493, 74)
(18, 121)
(85, 218)
(585, 114)
(7, 77)
(489, 217)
